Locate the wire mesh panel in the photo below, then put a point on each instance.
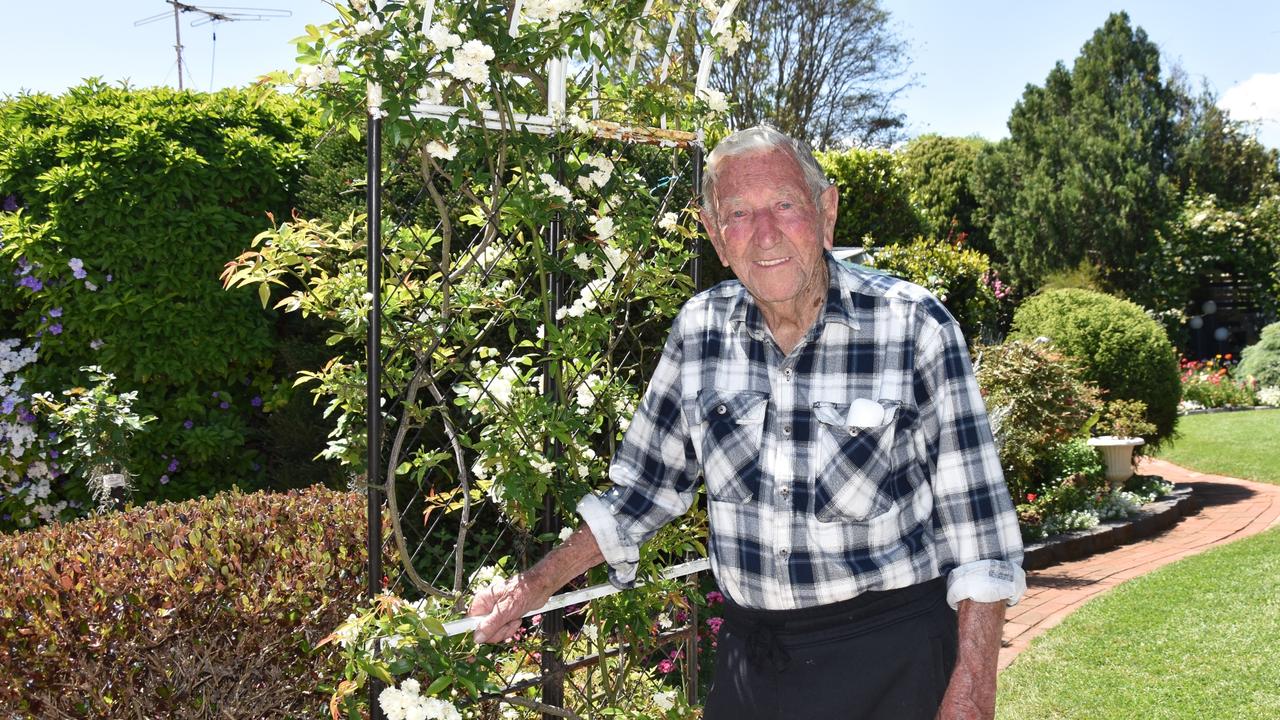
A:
(515, 342)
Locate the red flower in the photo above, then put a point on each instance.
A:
(1031, 497)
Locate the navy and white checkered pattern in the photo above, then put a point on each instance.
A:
(810, 504)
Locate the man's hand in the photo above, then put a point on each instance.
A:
(502, 605)
(505, 602)
(971, 694)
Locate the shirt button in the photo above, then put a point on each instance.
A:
(786, 430)
(786, 373)
(784, 492)
(721, 409)
(784, 553)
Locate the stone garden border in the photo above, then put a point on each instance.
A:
(1153, 518)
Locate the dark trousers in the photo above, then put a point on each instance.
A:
(880, 656)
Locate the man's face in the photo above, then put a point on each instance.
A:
(767, 228)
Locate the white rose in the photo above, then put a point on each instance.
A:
(669, 222)
(715, 100)
(603, 227)
(440, 36)
(441, 150)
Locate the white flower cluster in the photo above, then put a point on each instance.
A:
(432, 93)
(614, 258)
(471, 62)
(670, 222)
(15, 438)
(367, 27)
(442, 150)
(407, 703)
(485, 576)
(664, 700)
(555, 189)
(317, 75)
(442, 38)
(547, 11)
(715, 100)
(1269, 395)
(589, 391)
(1119, 505)
(598, 177)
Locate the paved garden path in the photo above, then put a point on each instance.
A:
(1230, 509)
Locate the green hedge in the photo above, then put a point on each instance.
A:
(126, 206)
(209, 608)
(1119, 347)
(959, 277)
(875, 198)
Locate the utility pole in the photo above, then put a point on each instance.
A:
(177, 41)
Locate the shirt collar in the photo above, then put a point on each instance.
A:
(839, 307)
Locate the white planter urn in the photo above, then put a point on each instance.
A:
(1117, 455)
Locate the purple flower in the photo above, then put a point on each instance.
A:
(96, 344)
(77, 268)
(10, 203)
(224, 404)
(56, 329)
(24, 267)
(256, 401)
(187, 424)
(56, 312)
(108, 277)
(173, 465)
(32, 282)
(6, 405)
(255, 467)
(214, 395)
(25, 416)
(53, 435)
(164, 479)
(53, 454)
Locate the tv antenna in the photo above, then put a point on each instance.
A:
(208, 16)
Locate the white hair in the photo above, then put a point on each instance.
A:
(762, 139)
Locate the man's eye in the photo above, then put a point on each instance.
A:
(786, 205)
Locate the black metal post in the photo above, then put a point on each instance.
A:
(553, 622)
(696, 267)
(373, 404)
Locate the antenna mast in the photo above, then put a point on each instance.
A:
(208, 15)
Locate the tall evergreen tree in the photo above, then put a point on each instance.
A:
(1090, 154)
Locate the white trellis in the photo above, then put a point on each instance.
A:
(507, 119)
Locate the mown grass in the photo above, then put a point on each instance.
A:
(1198, 639)
(1237, 444)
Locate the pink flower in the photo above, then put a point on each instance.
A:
(666, 666)
(714, 623)
(714, 597)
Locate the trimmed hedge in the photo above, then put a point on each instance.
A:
(208, 608)
(1119, 347)
(125, 205)
(957, 276)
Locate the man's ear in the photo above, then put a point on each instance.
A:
(830, 209)
(713, 233)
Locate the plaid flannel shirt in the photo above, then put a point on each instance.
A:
(862, 461)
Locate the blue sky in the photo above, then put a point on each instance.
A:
(970, 60)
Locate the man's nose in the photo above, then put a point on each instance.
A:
(765, 228)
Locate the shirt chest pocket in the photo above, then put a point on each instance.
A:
(854, 459)
(732, 427)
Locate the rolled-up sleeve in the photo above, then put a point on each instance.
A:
(980, 546)
(654, 472)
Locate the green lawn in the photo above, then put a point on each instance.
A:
(1237, 444)
(1199, 639)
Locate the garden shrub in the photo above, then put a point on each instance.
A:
(875, 198)
(1037, 399)
(961, 278)
(940, 172)
(1262, 359)
(121, 208)
(1119, 348)
(209, 608)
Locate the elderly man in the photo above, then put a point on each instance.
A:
(860, 528)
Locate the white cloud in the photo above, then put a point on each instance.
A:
(1257, 100)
